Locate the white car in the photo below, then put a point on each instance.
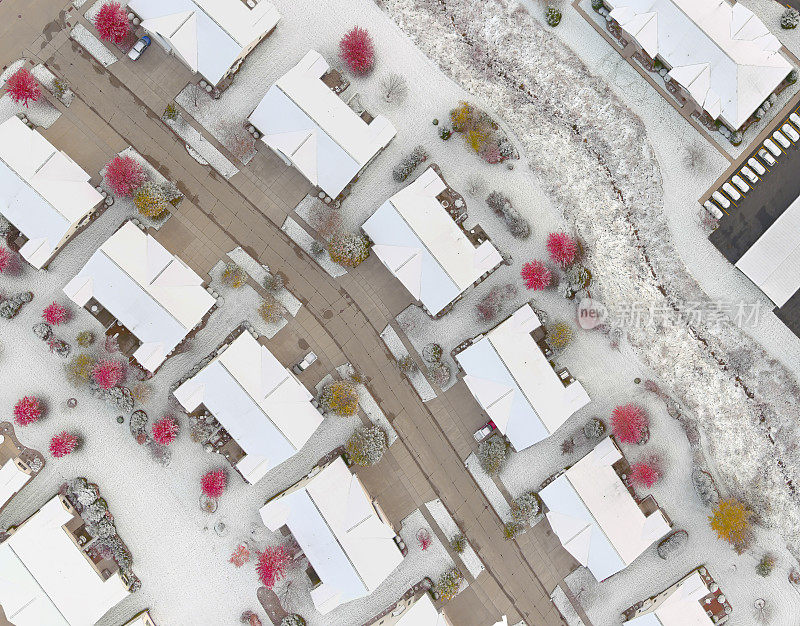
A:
(766, 156)
(780, 138)
(749, 175)
(754, 163)
(721, 200)
(794, 118)
(728, 188)
(713, 209)
(770, 145)
(740, 184)
(790, 132)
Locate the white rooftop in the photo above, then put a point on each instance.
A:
(721, 53)
(596, 518)
(43, 192)
(259, 402)
(423, 613)
(46, 579)
(515, 384)
(151, 292)
(773, 261)
(418, 241)
(12, 480)
(341, 533)
(681, 608)
(207, 35)
(304, 120)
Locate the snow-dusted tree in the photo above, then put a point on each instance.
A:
(234, 276)
(340, 397)
(535, 275)
(111, 22)
(790, 18)
(165, 430)
(493, 454)
(108, 374)
(79, 369)
(293, 620)
(250, 618)
(55, 314)
(731, 521)
(645, 473)
(559, 335)
(240, 556)
(63, 444)
(273, 563)
(562, 248)
(213, 483)
(22, 87)
(630, 423)
(366, 446)
(357, 50)
(394, 88)
(124, 175)
(448, 584)
(151, 200)
(6, 260)
(348, 249)
(408, 164)
(525, 506)
(270, 310)
(27, 410)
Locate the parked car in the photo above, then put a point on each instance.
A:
(484, 431)
(790, 132)
(728, 188)
(139, 47)
(756, 165)
(740, 184)
(794, 118)
(766, 157)
(721, 200)
(780, 138)
(749, 174)
(770, 145)
(713, 209)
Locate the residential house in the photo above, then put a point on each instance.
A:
(45, 195)
(414, 609)
(723, 57)
(695, 600)
(510, 373)
(304, 121)
(142, 294)
(349, 544)
(419, 240)
(265, 411)
(140, 619)
(212, 37)
(18, 465)
(596, 515)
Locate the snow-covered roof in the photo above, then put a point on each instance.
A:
(42, 191)
(142, 619)
(258, 401)
(326, 140)
(46, 579)
(423, 613)
(773, 261)
(12, 479)
(515, 384)
(682, 607)
(596, 518)
(418, 241)
(721, 53)
(151, 292)
(207, 35)
(341, 533)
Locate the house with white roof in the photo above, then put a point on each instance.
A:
(509, 372)
(212, 37)
(46, 578)
(695, 600)
(45, 195)
(723, 57)
(422, 245)
(18, 465)
(260, 403)
(310, 127)
(141, 619)
(417, 610)
(595, 515)
(142, 294)
(345, 536)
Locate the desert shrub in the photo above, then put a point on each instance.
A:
(562, 248)
(407, 364)
(597, 4)
(348, 249)
(85, 338)
(293, 620)
(151, 201)
(394, 88)
(341, 397)
(409, 163)
(790, 18)
(730, 519)
(445, 133)
(535, 275)
(511, 530)
(357, 50)
(594, 429)
(792, 77)
(317, 248)
(735, 138)
(273, 282)
(270, 310)
(493, 454)
(22, 87)
(765, 565)
(171, 112)
(234, 276)
(630, 424)
(491, 304)
(475, 186)
(432, 353)
(458, 543)
(552, 15)
(645, 473)
(447, 585)
(440, 372)
(79, 369)
(578, 276)
(366, 446)
(124, 175)
(501, 205)
(111, 22)
(141, 392)
(559, 335)
(525, 507)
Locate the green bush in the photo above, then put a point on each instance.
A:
(553, 16)
(493, 454)
(458, 543)
(597, 4)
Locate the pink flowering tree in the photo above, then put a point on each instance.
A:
(108, 374)
(63, 444)
(111, 22)
(629, 423)
(535, 275)
(27, 410)
(124, 175)
(55, 314)
(357, 50)
(562, 248)
(165, 430)
(22, 87)
(213, 483)
(645, 473)
(272, 565)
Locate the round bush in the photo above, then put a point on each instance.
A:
(553, 16)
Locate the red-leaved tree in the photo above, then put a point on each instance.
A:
(213, 483)
(272, 565)
(22, 87)
(165, 430)
(562, 248)
(124, 175)
(645, 473)
(55, 314)
(240, 556)
(111, 22)
(108, 374)
(63, 444)
(6, 260)
(357, 50)
(629, 423)
(535, 275)
(27, 410)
